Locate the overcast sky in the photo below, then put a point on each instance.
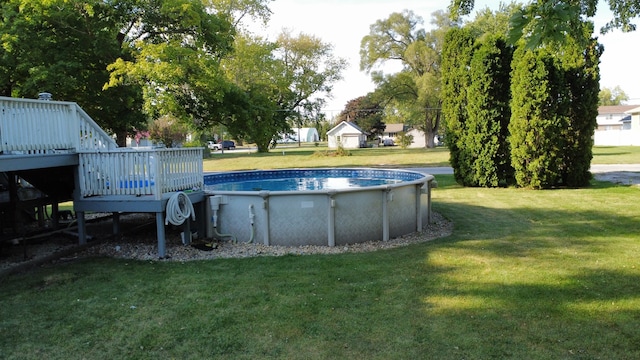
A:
(344, 23)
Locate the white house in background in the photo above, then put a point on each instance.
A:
(391, 131)
(346, 134)
(618, 125)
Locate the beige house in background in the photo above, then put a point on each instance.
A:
(391, 132)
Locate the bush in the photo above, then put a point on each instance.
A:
(489, 113)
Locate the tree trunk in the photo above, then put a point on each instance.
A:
(431, 125)
(121, 138)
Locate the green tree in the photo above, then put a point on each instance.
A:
(490, 23)
(539, 108)
(241, 10)
(416, 87)
(554, 110)
(365, 112)
(64, 47)
(488, 101)
(615, 96)
(176, 47)
(309, 70)
(404, 139)
(249, 71)
(580, 66)
(282, 83)
(456, 61)
(168, 130)
(554, 21)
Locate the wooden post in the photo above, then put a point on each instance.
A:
(162, 249)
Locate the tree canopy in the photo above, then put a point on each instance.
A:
(551, 21)
(413, 91)
(283, 83)
(525, 119)
(615, 96)
(366, 112)
(64, 47)
(128, 62)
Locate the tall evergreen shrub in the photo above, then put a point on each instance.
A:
(488, 108)
(539, 108)
(582, 78)
(456, 59)
(554, 109)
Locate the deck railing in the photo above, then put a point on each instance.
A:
(39, 127)
(127, 171)
(34, 127)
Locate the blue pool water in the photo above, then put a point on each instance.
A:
(304, 179)
(299, 184)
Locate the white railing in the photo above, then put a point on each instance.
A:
(39, 127)
(128, 171)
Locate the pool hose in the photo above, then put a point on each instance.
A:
(179, 208)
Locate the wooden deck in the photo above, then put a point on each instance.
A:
(47, 142)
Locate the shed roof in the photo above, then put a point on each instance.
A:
(394, 128)
(346, 124)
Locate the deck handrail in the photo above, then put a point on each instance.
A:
(30, 126)
(131, 171)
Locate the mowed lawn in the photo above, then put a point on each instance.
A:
(525, 275)
(312, 156)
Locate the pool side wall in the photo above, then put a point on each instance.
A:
(322, 218)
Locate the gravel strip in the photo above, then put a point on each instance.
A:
(138, 241)
(146, 249)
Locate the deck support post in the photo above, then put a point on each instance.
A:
(82, 227)
(162, 249)
(116, 222)
(186, 231)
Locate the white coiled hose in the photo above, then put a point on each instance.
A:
(179, 208)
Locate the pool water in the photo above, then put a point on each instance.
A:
(305, 179)
(301, 184)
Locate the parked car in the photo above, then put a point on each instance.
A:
(388, 142)
(226, 145)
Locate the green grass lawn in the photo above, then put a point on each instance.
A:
(616, 155)
(312, 156)
(526, 274)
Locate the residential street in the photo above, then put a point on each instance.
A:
(617, 173)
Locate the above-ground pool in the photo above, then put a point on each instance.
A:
(336, 206)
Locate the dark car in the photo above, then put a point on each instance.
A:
(226, 145)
